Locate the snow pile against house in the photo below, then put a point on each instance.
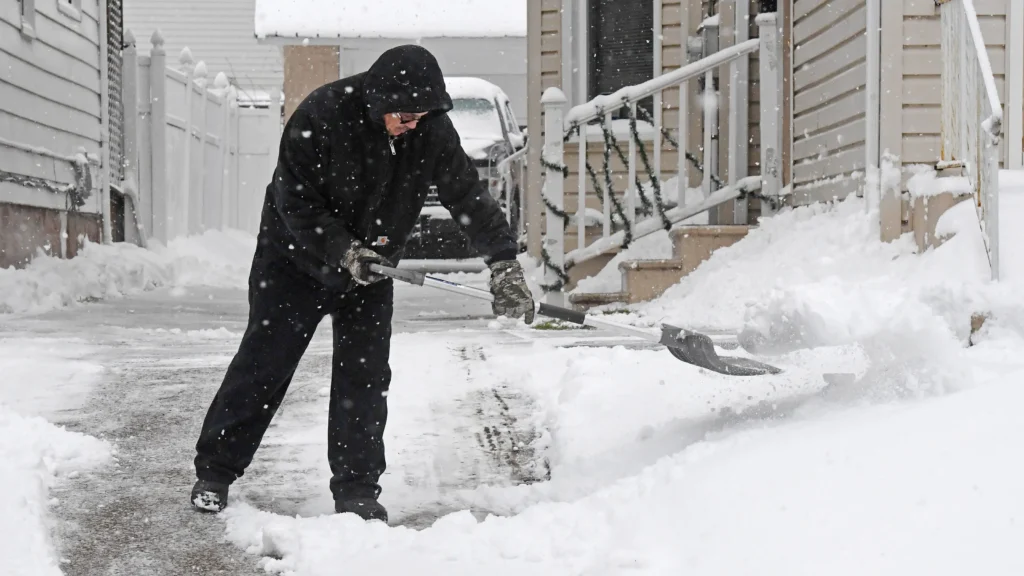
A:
(408, 19)
(100, 271)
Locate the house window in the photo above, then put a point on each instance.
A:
(70, 8)
(28, 18)
(621, 44)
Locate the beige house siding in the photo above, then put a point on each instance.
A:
(551, 44)
(829, 98)
(922, 65)
(306, 68)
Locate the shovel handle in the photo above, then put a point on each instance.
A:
(542, 309)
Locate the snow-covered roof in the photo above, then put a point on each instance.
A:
(469, 87)
(408, 19)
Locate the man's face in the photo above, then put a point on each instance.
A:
(398, 123)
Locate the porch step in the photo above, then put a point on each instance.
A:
(644, 280)
(587, 300)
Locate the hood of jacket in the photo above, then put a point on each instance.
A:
(405, 79)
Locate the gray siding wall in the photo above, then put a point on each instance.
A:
(49, 99)
(218, 32)
(498, 60)
(829, 107)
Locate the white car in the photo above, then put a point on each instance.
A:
(487, 127)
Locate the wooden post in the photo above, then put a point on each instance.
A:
(158, 135)
(771, 109)
(711, 107)
(183, 224)
(197, 201)
(222, 84)
(554, 102)
(739, 97)
(130, 101)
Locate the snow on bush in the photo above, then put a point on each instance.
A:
(101, 271)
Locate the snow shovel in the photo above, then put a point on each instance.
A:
(686, 345)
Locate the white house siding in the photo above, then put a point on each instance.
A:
(49, 111)
(498, 60)
(218, 32)
(829, 106)
(922, 65)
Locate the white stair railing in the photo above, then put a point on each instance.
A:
(972, 115)
(632, 222)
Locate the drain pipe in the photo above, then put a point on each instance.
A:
(104, 42)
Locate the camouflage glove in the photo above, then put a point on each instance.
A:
(512, 297)
(357, 261)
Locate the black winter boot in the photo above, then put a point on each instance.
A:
(209, 496)
(365, 508)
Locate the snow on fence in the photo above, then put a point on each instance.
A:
(972, 115)
(622, 224)
(195, 160)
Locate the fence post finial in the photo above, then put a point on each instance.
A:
(157, 40)
(185, 59)
(221, 81)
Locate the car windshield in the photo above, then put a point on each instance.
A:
(476, 118)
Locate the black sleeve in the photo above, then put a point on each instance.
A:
(466, 197)
(299, 194)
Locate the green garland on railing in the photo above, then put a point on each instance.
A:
(655, 181)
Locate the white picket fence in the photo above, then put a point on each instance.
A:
(194, 159)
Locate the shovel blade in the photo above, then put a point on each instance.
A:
(699, 350)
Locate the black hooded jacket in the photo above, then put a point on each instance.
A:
(340, 176)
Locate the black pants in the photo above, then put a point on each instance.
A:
(285, 308)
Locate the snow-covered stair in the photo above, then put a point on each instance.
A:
(1011, 235)
(644, 271)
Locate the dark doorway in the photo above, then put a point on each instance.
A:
(621, 43)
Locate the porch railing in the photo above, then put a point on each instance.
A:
(972, 115)
(642, 210)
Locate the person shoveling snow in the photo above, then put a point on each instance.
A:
(356, 159)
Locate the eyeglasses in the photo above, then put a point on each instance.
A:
(406, 117)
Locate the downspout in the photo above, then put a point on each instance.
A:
(1015, 85)
(104, 120)
(658, 70)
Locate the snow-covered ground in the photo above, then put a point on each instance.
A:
(41, 377)
(512, 449)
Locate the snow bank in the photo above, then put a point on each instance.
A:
(659, 467)
(215, 258)
(896, 489)
(33, 453)
(41, 376)
(408, 19)
(1011, 233)
(656, 246)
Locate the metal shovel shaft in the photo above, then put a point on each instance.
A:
(542, 309)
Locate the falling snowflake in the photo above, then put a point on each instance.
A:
(307, 133)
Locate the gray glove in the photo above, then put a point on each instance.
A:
(512, 297)
(357, 261)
